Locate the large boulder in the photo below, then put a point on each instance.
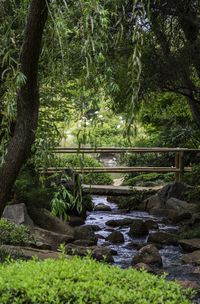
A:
(44, 219)
(176, 204)
(50, 238)
(115, 237)
(149, 255)
(162, 238)
(153, 201)
(97, 252)
(85, 233)
(191, 258)
(190, 245)
(120, 222)
(138, 228)
(174, 189)
(18, 214)
(27, 252)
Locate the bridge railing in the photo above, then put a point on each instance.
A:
(178, 168)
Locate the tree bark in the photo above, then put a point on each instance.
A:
(27, 100)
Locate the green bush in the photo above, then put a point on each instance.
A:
(28, 189)
(133, 201)
(12, 234)
(79, 281)
(149, 179)
(85, 161)
(193, 178)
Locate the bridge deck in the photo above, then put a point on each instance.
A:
(114, 190)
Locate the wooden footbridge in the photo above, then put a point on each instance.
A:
(178, 167)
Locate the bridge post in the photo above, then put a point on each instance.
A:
(177, 163)
(181, 165)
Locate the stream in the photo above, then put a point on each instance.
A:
(171, 255)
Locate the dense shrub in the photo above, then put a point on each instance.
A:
(149, 179)
(133, 201)
(85, 161)
(29, 190)
(83, 281)
(12, 234)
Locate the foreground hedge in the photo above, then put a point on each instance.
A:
(82, 281)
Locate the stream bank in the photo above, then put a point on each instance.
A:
(171, 254)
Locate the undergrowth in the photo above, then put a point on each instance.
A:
(80, 281)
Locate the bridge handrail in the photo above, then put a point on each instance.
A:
(121, 150)
(178, 169)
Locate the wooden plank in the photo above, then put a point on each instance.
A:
(121, 150)
(116, 169)
(115, 190)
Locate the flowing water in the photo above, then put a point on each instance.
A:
(171, 255)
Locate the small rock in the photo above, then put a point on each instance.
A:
(93, 227)
(138, 228)
(163, 238)
(149, 255)
(188, 284)
(102, 207)
(190, 245)
(196, 270)
(115, 237)
(143, 266)
(119, 222)
(191, 258)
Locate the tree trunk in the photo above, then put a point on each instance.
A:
(27, 100)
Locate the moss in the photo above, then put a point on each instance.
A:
(80, 281)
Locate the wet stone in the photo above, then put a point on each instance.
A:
(115, 237)
(149, 255)
(120, 222)
(138, 228)
(102, 207)
(163, 238)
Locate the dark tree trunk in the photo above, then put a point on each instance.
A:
(27, 100)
